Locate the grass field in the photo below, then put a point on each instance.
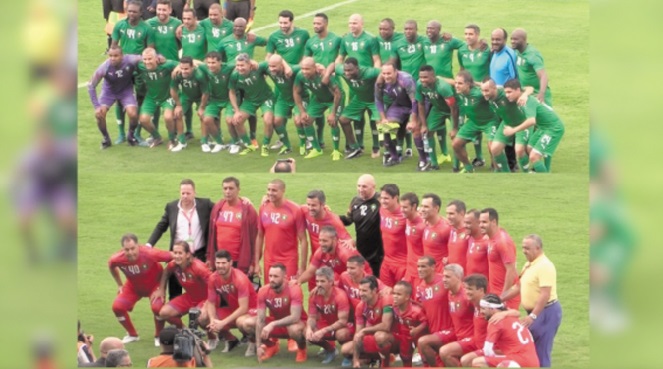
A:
(558, 29)
(112, 204)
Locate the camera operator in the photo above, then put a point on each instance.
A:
(166, 360)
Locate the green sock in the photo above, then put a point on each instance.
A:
(283, 136)
(374, 134)
(455, 162)
(442, 139)
(155, 118)
(156, 134)
(540, 166)
(359, 131)
(188, 118)
(469, 167)
(266, 139)
(119, 117)
(245, 138)
(311, 136)
(181, 138)
(524, 163)
(477, 147)
(336, 137)
(320, 125)
(548, 161)
(172, 135)
(433, 153)
(408, 140)
(217, 138)
(301, 132)
(203, 140)
(138, 130)
(502, 163)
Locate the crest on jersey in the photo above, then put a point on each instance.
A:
(238, 216)
(145, 266)
(373, 207)
(190, 276)
(433, 235)
(285, 300)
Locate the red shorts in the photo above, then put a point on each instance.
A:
(467, 345)
(277, 332)
(370, 346)
(129, 296)
(224, 312)
(446, 336)
(290, 268)
(184, 302)
(391, 273)
(403, 345)
(331, 336)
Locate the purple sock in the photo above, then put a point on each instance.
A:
(419, 144)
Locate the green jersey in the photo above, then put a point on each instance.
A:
(411, 55)
(163, 36)
(322, 93)
(363, 87)
(476, 62)
(529, 62)
(439, 55)
(475, 107)
(436, 94)
(193, 87)
(387, 47)
(283, 85)
(132, 39)
(214, 34)
(218, 84)
(545, 116)
(323, 51)
(254, 85)
(230, 47)
(157, 81)
(193, 43)
(510, 113)
(290, 47)
(362, 48)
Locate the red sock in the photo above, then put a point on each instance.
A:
(176, 321)
(158, 326)
(123, 318)
(327, 346)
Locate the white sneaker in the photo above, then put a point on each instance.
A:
(234, 149)
(398, 358)
(276, 146)
(205, 148)
(177, 148)
(217, 148)
(309, 145)
(250, 350)
(156, 342)
(212, 343)
(416, 360)
(129, 339)
(223, 146)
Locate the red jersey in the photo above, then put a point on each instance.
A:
(477, 256)
(392, 227)
(327, 310)
(368, 316)
(433, 297)
(404, 321)
(337, 261)
(313, 227)
(280, 226)
(193, 278)
(144, 274)
(512, 338)
(461, 310)
(501, 250)
(436, 242)
(227, 292)
(229, 229)
(352, 289)
(279, 303)
(458, 239)
(480, 327)
(414, 233)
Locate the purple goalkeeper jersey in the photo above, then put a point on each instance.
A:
(117, 80)
(400, 94)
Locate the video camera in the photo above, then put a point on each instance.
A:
(188, 341)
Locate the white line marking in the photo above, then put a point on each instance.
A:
(306, 15)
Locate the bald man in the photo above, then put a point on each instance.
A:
(108, 344)
(503, 62)
(364, 212)
(239, 42)
(531, 71)
(439, 50)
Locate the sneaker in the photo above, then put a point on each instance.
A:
(302, 355)
(270, 351)
(292, 345)
(234, 149)
(313, 154)
(416, 359)
(321, 352)
(171, 144)
(249, 149)
(346, 363)
(212, 343)
(230, 345)
(455, 170)
(250, 350)
(129, 339)
(205, 147)
(189, 136)
(441, 159)
(309, 145)
(398, 358)
(276, 145)
(336, 155)
(463, 170)
(149, 140)
(424, 166)
(431, 168)
(391, 162)
(157, 343)
(329, 357)
(477, 163)
(302, 150)
(156, 142)
(245, 339)
(132, 141)
(353, 154)
(120, 139)
(408, 153)
(285, 151)
(376, 153)
(217, 148)
(141, 142)
(264, 151)
(179, 147)
(385, 157)
(105, 144)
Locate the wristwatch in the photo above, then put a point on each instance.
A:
(533, 316)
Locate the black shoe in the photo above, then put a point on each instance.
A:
(455, 170)
(391, 162)
(132, 141)
(432, 168)
(385, 158)
(322, 145)
(189, 136)
(423, 166)
(106, 143)
(477, 163)
(230, 345)
(353, 154)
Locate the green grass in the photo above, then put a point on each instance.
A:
(112, 204)
(558, 29)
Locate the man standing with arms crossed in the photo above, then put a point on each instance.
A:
(193, 36)
(392, 228)
(189, 86)
(437, 231)
(218, 80)
(477, 245)
(414, 232)
(458, 237)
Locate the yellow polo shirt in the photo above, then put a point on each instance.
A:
(536, 274)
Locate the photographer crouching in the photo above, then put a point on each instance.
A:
(182, 348)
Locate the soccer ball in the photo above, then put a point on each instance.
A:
(508, 364)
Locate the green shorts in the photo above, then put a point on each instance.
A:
(283, 109)
(436, 120)
(251, 108)
(316, 109)
(213, 108)
(545, 141)
(150, 105)
(521, 138)
(187, 104)
(470, 130)
(355, 110)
